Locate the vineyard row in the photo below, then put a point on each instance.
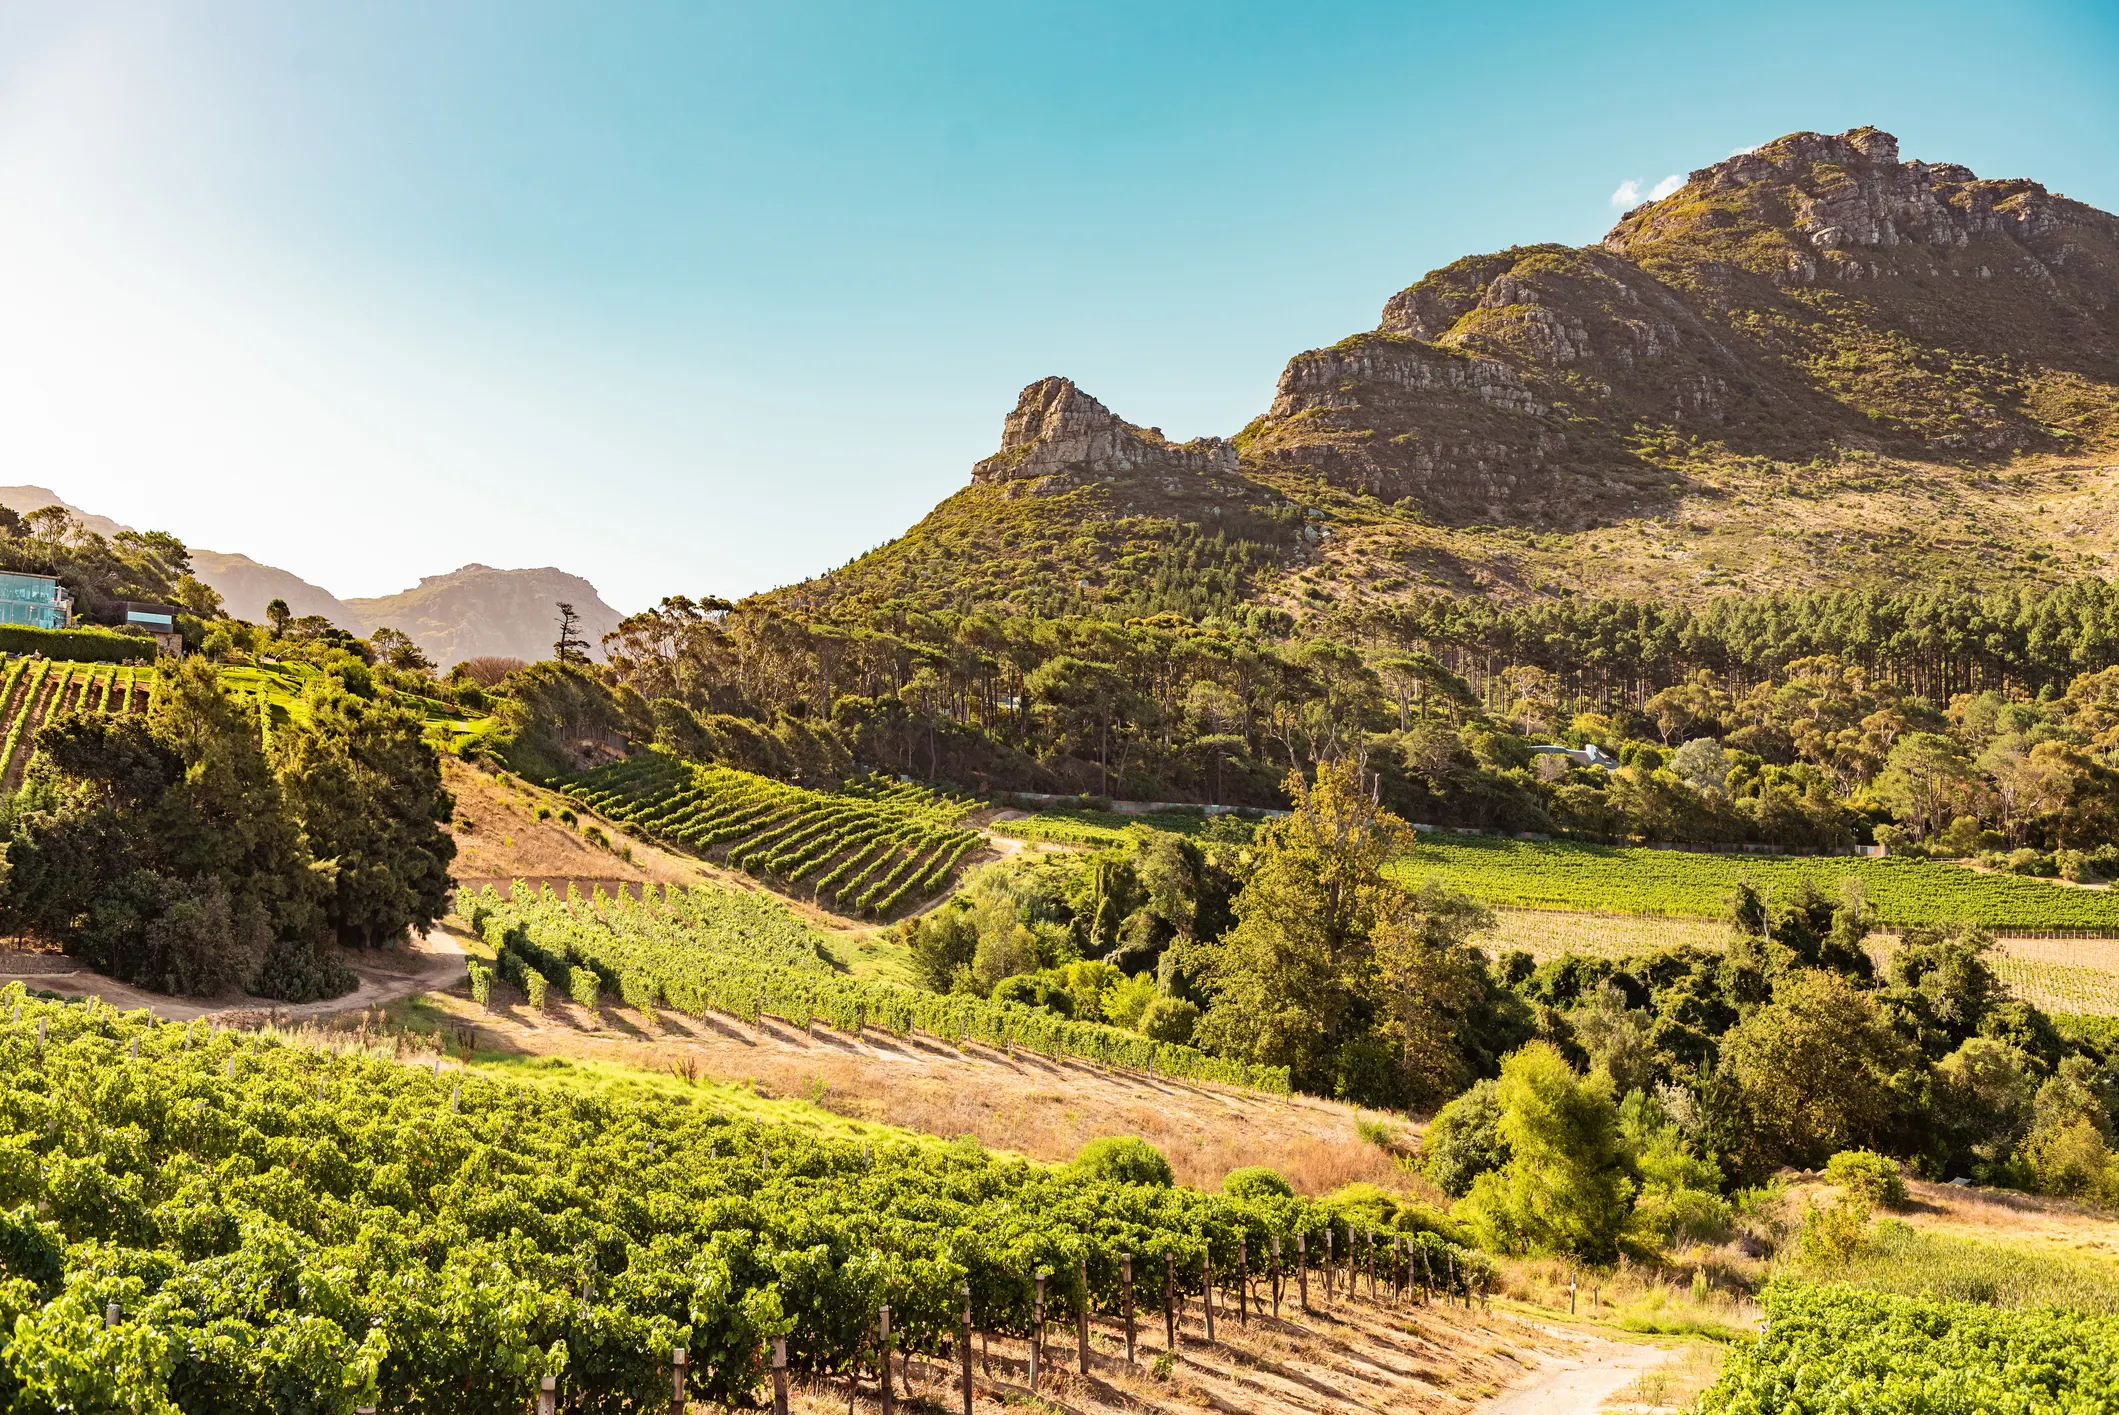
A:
(33, 691)
(702, 949)
(871, 850)
(250, 1226)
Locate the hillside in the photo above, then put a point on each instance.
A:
(1813, 365)
(246, 587)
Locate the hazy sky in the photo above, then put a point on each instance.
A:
(699, 298)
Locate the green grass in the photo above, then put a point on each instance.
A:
(1617, 879)
(1915, 1262)
(876, 956)
(1103, 830)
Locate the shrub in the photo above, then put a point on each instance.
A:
(1030, 990)
(481, 982)
(1835, 1234)
(1256, 1182)
(533, 986)
(1868, 1176)
(1464, 1141)
(1169, 1019)
(1124, 1159)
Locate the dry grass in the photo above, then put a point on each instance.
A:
(499, 835)
(1352, 1357)
(1024, 1104)
(1676, 1383)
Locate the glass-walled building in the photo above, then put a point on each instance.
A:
(36, 600)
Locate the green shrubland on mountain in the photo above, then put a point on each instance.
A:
(1813, 365)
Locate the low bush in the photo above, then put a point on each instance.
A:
(1124, 1159)
(1868, 1176)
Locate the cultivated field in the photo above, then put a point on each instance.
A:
(34, 690)
(1566, 875)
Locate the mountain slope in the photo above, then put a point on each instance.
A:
(479, 610)
(1813, 365)
(246, 587)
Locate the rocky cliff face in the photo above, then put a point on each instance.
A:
(1059, 431)
(1816, 292)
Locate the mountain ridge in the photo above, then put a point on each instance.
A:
(473, 611)
(1812, 365)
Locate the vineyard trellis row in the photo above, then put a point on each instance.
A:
(703, 949)
(281, 1226)
(35, 690)
(872, 848)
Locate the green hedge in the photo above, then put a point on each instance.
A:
(81, 645)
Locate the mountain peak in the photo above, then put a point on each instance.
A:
(1058, 430)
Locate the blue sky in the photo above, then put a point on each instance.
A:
(700, 298)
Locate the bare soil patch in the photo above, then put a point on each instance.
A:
(1030, 1105)
(1346, 1356)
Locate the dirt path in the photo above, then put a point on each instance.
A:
(1578, 1383)
(427, 964)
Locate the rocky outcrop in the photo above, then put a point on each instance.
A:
(1978, 317)
(1058, 430)
(1839, 196)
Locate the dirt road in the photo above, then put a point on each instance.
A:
(1578, 1384)
(427, 964)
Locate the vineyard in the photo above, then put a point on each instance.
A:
(1103, 830)
(2071, 975)
(707, 950)
(1840, 1351)
(870, 849)
(35, 690)
(235, 1224)
(1528, 874)
(279, 686)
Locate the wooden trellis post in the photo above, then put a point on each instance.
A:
(1169, 1303)
(1328, 1263)
(1037, 1327)
(1206, 1286)
(1125, 1282)
(883, 1345)
(680, 1366)
(1081, 1317)
(1276, 1277)
(1243, 1284)
(779, 1375)
(1302, 1270)
(964, 1291)
(548, 1396)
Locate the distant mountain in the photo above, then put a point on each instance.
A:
(479, 610)
(246, 587)
(25, 499)
(474, 612)
(1813, 366)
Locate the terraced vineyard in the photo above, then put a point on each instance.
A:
(34, 690)
(279, 686)
(705, 949)
(871, 849)
(1565, 875)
